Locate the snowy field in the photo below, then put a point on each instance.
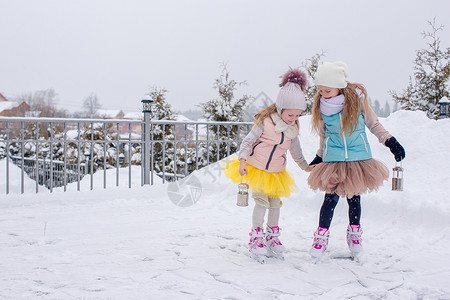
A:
(123, 243)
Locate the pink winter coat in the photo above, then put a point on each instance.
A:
(268, 152)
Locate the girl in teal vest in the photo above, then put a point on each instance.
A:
(343, 166)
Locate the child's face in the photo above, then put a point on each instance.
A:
(289, 116)
(327, 92)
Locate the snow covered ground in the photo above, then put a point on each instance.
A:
(123, 243)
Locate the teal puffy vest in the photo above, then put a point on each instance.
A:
(348, 148)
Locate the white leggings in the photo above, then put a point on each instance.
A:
(262, 203)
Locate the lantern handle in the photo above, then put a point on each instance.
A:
(245, 178)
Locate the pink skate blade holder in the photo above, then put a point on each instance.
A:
(397, 177)
(242, 196)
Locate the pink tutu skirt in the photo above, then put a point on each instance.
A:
(349, 178)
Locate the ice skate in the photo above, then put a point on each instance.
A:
(354, 241)
(274, 247)
(256, 245)
(320, 243)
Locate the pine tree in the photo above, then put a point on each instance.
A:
(395, 107)
(310, 65)
(387, 110)
(161, 109)
(377, 108)
(163, 136)
(431, 76)
(224, 109)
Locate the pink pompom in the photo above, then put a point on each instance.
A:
(295, 76)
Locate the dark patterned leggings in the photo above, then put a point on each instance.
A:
(330, 202)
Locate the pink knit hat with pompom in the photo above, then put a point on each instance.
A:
(292, 92)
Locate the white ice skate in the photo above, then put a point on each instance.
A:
(354, 241)
(256, 245)
(274, 247)
(320, 243)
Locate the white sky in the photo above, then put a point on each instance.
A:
(118, 49)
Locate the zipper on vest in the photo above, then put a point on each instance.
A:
(273, 151)
(345, 140)
(365, 144)
(326, 147)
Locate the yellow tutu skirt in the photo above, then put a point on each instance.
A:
(274, 185)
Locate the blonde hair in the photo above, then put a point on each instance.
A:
(352, 108)
(266, 112)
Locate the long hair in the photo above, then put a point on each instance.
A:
(352, 108)
(266, 112)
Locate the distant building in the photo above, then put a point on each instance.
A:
(121, 115)
(183, 132)
(12, 109)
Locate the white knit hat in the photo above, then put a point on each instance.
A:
(290, 96)
(332, 74)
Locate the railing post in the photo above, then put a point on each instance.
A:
(146, 109)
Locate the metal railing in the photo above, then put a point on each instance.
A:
(56, 152)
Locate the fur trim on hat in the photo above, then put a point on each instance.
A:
(292, 92)
(295, 76)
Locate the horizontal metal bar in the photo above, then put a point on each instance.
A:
(71, 120)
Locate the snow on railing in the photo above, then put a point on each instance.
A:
(56, 152)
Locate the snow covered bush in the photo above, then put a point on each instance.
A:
(99, 144)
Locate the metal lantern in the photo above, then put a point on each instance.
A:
(242, 196)
(444, 108)
(121, 158)
(146, 105)
(397, 177)
(87, 156)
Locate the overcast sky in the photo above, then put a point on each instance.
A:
(118, 49)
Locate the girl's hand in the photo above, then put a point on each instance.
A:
(396, 148)
(243, 168)
(310, 168)
(316, 160)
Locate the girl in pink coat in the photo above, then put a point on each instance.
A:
(262, 157)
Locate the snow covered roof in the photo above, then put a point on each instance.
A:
(114, 113)
(133, 115)
(109, 113)
(7, 105)
(182, 118)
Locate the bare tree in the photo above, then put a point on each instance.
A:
(91, 105)
(43, 103)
